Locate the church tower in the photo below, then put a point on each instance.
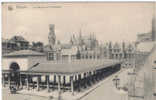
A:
(52, 36)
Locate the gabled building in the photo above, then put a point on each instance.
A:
(24, 58)
(14, 44)
(8, 46)
(21, 43)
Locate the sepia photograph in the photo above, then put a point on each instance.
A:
(78, 50)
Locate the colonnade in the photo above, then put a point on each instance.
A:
(61, 82)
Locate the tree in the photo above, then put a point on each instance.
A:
(37, 46)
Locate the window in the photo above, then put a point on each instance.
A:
(50, 56)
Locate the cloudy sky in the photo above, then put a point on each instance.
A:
(109, 21)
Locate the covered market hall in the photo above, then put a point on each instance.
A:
(52, 75)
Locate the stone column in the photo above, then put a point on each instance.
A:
(21, 85)
(87, 79)
(27, 82)
(72, 85)
(54, 79)
(79, 81)
(38, 80)
(47, 80)
(3, 80)
(75, 80)
(97, 75)
(59, 83)
(75, 77)
(90, 77)
(64, 80)
(94, 76)
(9, 79)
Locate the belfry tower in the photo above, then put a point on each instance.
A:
(52, 36)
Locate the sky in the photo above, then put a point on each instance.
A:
(115, 22)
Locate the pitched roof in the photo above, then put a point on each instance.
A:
(7, 41)
(24, 53)
(73, 67)
(18, 38)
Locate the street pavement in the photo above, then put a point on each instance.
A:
(7, 96)
(108, 91)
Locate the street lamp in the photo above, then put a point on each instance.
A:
(116, 81)
(154, 68)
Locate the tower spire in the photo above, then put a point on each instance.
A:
(52, 36)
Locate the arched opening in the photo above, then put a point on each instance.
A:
(14, 67)
(15, 74)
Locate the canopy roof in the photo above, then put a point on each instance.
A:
(72, 67)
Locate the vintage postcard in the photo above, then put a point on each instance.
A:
(78, 51)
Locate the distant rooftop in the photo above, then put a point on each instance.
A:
(18, 38)
(7, 41)
(145, 46)
(24, 53)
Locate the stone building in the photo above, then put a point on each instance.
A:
(124, 52)
(84, 42)
(8, 46)
(22, 43)
(13, 44)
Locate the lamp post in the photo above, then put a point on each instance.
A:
(154, 87)
(116, 81)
